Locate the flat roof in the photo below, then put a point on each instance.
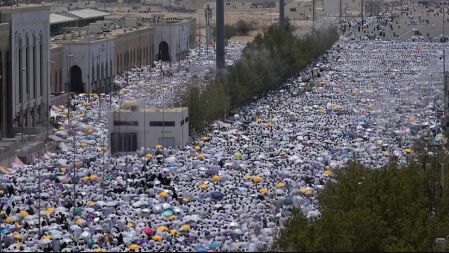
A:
(58, 18)
(88, 13)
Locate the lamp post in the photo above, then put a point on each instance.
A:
(48, 100)
(112, 73)
(22, 120)
(69, 86)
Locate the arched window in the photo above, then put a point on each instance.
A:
(19, 70)
(102, 70)
(92, 78)
(27, 64)
(41, 65)
(98, 71)
(60, 80)
(34, 67)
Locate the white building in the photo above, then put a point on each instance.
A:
(297, 9)
(29, 47)
(173, 38)
(132, 127)
(90, 65)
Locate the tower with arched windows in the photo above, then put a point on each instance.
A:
(27, 69)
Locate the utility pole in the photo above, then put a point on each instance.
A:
(313, 10)
(220, 47)
(361, 12)
(207, 14)
(281, 15)
(341, 11)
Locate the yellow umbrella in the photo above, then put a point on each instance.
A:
(200, 156)
(258, 120)
(174, 232)
(163, 194)
(408, 150)
(328, 173)
(63, 170)
(247, 176)
(185, 227)
(264, 190)
(51, 209)
(159, 146)
(61, 128)
(90, 130)
(257, 179)
(157, 238)
(305, 190)
(203, 186)
(104, 148)
(85, 179)
(185, 200)
(322, 82)
(197, 147)
(79, 222)
(370, 106)
(386, 153)
(205, 138)
(163, 228)
(99, 250)
(86, 104)
(149, 156)
(91, 203)
(10, 220)
(269, 124)
(93, 177)
(47, 213)
(78, 164)
(83, 144)
(134, 247)
(121, 93)
(216, 178)
(322, 110)
(172, 218)
(46, 237)
(130, 224)
(280, 184)
(18, 225)
(23, 214)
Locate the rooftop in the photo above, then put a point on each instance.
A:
(129, 104)
(58, 18)
(88, 13)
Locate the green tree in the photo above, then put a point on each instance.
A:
(388, 209)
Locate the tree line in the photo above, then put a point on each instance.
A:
(266, 62)
(395, 208)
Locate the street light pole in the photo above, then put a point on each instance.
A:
(48, 100)
(22, 120)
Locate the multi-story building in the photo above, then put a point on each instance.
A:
(173, 37)
(134, 48)
(5, 89)
(132, 127)
(297, 9)
(28, 60)
(92, 56)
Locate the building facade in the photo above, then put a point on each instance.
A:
(56, 66)
(29, 54)
(133, 127)
(134, 47)
(88, 64)
(5, 89)
(173, 38)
